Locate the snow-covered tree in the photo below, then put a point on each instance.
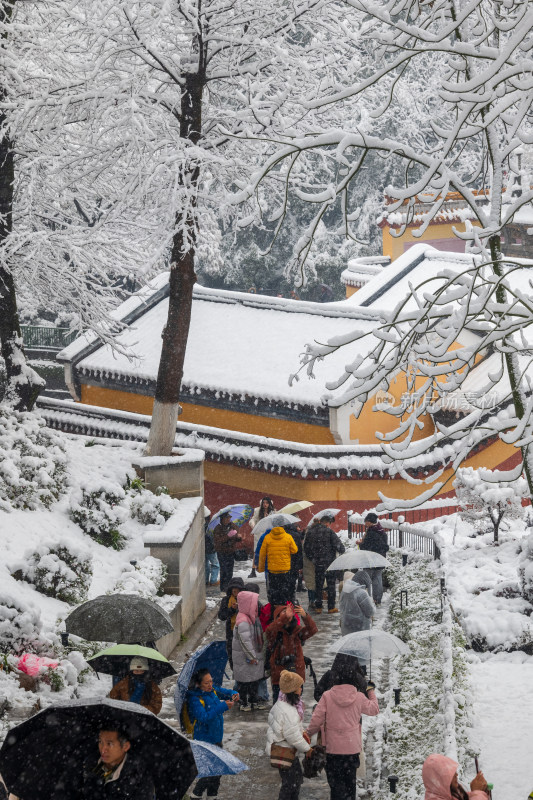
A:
(476, 59)
(190, 82)
(483, 497)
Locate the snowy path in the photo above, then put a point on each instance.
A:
(503, 723)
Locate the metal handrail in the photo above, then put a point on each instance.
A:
(47, 337)
(401, 535)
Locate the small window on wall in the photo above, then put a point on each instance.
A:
(452, 245)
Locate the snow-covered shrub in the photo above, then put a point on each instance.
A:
(57, 570)
(32, 461)
(152, 509)
(146, 578)
(525, 568)
(485, 498)
(99, 511)
(20, 627)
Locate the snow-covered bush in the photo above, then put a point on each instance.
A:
(58, 570)
(152, 509)
(99, 510)
(20, 627)
(525, 569)
(484, 498)
(146, 578)
(32, 462)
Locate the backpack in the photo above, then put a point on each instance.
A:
(188, 723)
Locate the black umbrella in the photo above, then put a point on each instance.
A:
(124, 618)
(41, 752)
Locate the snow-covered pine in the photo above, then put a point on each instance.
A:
(20, 627)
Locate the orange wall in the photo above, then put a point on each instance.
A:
(214, 417)
(394, 246)
(351, 290)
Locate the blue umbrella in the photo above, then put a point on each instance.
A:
(211, 656)
(212, 760)
(239, 513)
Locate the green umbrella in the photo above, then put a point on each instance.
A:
(116, 661)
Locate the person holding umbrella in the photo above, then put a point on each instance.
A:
(226, 540)
(321, 545)
(339, 713)
(356, 606)
(375, 539)
(137, 687)
(206, 706)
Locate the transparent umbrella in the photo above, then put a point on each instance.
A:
(277, 520)
(374, 643)
(358, 559)
(326, 512)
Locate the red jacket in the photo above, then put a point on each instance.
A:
(283, 642)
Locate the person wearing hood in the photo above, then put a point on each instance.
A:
(375, 539)
(345, 669)
(339, 714)
(275, 555)
(290, 628)
(356, 606)
(248, 659)
(285, 728)
(137, 687)
(228, 610)
(439, 774)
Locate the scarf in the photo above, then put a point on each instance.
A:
(300, 708)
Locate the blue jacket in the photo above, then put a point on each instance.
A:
(206, 710)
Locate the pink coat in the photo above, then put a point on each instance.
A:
(339, 713)
(437, 774)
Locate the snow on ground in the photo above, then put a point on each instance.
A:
(503, 721)
(484, 589)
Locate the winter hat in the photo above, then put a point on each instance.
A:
(137, 662)
(347, 575)
(289, 681)
(373, 518)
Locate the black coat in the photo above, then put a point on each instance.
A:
(375, 539)
(134, 783)
(297, 559)
(229, 615)
(321, 545)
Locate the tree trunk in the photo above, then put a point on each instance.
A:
(181, 284)
(22, 383)
(511, 362)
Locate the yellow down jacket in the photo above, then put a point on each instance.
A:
(276, 550)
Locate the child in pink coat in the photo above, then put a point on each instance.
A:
(338, 714)
(439, 774)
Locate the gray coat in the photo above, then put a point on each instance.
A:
(248, 646)
(356, 607)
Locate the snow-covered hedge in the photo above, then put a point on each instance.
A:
(20, 627)
(146, 578)
(99, 510)
(432, 716)
(57, 570)
(525, 569)
(150, 508)
(32, 462)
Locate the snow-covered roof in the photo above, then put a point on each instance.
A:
(239, 344)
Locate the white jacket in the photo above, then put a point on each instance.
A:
(285, 728)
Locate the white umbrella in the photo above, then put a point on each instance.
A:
(358, 559)
(276, 520)
(293, 508)
(370, 644)
(326, 512)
